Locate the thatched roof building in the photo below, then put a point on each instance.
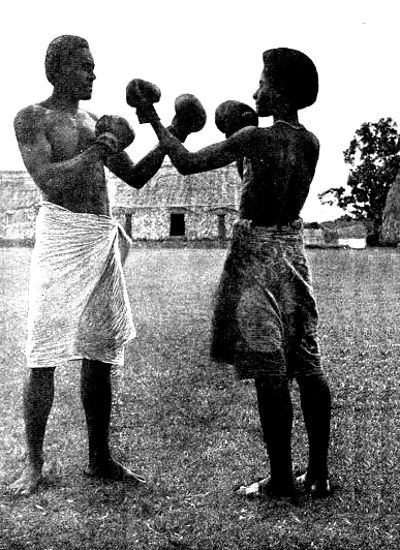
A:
(169, 206)
(172, 206)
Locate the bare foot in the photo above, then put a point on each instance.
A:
(28, 482)
(264, 487)
(317, 488)
(113, 471)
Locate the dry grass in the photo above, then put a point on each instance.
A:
(193, 430)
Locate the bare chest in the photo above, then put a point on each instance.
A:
(70, 135)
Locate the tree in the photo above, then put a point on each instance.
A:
(374, 160)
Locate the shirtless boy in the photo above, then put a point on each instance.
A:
(265, 319)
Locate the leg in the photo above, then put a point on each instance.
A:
(96, 398)
(316, 405)
(276, 415)
(37, 403)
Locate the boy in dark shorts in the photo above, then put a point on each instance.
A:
(265, 318)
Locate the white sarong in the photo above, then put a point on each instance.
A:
(78, 302)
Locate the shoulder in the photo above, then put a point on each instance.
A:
(309, 139)
(314, 145)
(252, 132)
(32, 116)
(314, 140)
(30, 121)
(32, 112)
(88, 115)
(248, 135)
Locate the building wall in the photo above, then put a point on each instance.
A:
(18, 224)
(314, 236)
(155, 223)
(20, 200)
(18, 206)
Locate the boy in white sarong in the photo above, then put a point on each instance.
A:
(76, 265)
(265, 319)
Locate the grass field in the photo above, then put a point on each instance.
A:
(193, 430)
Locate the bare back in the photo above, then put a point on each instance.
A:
(277, 173)
(279, 165)
(56, 146)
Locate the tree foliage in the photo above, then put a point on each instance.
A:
(374, 160)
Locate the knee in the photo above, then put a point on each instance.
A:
(314, 387)
(95, 375)
(271, 383)
(316, 379)
(95, 368)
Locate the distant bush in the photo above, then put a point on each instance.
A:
(356, 231)
(330, 236)
(312, 225)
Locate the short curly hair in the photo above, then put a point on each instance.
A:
(59, 53)
(295, 73)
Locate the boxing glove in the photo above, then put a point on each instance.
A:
(231, 116)
(119, 128)
(190, 116)
(141, 95)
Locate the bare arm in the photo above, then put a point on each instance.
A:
(214, 156)
(136, 175)
(36, 151)
(211, 157)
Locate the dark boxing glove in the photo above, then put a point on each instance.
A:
(190, 116)
(141, 95)
(119, 129)
(231, 116)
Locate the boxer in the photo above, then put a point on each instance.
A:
(265, 318)
(66, 149)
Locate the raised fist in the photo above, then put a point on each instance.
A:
(190, 116)
(231, 116)
(114, 132)
(141, 95)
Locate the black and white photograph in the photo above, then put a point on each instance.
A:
(200, 275)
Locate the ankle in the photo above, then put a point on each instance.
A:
(278, 486)
(317, 474)
(317, 488)
(99, 457)
(35, 461)
(282, 483)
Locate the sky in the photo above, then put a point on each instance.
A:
(213, 49)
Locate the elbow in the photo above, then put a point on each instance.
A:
(184, 170)
(43, 180)
(139, 184)
(136, 178)
(136, 183)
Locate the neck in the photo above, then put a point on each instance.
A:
(289, 119)
(287, 114)
(64, 102)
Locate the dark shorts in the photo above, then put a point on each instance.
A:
(265, 317)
